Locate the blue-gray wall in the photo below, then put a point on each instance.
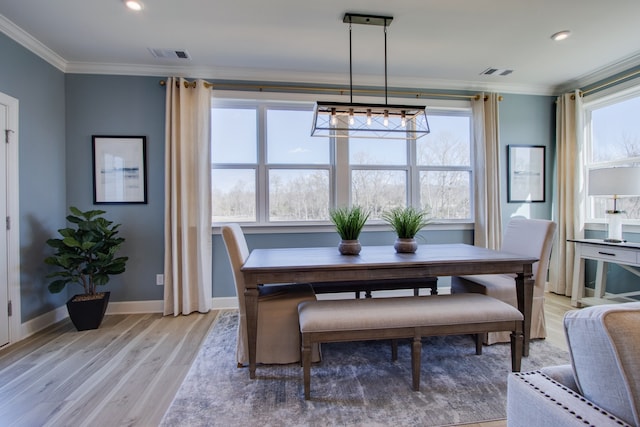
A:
(121, 105)
(58, 115)
(527, 120)
(40, 89)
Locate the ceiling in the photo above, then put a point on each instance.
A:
(432, 44)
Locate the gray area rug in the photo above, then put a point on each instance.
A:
(356, 384)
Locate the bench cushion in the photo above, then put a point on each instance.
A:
(402, 312)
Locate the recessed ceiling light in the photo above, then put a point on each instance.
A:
(133, 5)
(560, 35)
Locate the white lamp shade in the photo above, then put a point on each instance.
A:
(619, 182)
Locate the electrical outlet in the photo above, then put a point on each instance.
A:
(159, 279)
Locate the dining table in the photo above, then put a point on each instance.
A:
(326, 264)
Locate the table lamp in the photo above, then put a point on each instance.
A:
(614, 182)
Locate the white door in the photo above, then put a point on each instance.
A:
(10, 319)
(4, 277)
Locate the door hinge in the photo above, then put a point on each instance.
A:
(10, 309)
(8, 223)
(7, 132)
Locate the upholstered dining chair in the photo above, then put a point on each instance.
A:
(278, 339)
(529, 237)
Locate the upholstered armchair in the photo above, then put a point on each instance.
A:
(601, 386)
(530, 237)
(278, 340)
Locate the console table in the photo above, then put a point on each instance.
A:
(625, 254)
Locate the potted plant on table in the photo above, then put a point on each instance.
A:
(349, 223)
(406, 222)
(86, 254)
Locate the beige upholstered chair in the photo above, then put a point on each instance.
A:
(530, 237)
(278, 338)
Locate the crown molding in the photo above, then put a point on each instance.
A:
(25, 39)
(601, 74)
(278, 76)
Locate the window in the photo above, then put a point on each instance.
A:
(267, 169)
(613, 139)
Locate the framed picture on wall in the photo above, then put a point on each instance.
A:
(525, 169)
(119, 169)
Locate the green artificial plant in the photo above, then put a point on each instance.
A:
(86, 253)
(349, 221)
(406, 222)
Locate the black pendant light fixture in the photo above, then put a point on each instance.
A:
(380, 121)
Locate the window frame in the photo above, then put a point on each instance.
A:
(611, 96)
(339, 168)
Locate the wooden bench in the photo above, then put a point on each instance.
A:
(406, 317)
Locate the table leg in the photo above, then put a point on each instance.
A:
(524, 291)
(251, 310)
(601, 279)
(577, 288)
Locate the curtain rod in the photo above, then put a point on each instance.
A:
(261, 88)
(610, 83)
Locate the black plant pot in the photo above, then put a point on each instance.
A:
(87, 313)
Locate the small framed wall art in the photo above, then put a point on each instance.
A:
(119, 169)
(525, 179)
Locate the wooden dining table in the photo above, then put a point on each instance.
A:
(326, 264)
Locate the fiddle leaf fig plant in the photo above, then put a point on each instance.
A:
(86, 252)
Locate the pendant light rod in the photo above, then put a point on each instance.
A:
(356, 18)
(350, 65)
(385, 61)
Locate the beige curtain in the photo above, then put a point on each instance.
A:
(568, 210)
(187, 241)
(488, 217)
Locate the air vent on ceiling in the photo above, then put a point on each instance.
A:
(496, 72)
(170, 53)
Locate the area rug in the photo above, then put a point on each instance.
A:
(356, 384)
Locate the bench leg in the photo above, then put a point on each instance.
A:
(478, 339)
(394, 350)
(306, 366)
(416, 350)
(517, 345)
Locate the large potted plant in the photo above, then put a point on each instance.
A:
(406, 222)
(349, 223)
(86, 255)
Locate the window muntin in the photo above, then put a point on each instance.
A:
(613, 139)
(282, 175)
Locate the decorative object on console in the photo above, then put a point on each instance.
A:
(349, 223)
(614, 182)
(380, 121)
(406, 222)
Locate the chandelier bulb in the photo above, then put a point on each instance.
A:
(368, 116)
(351, 118)
(334, 119)
(385, 121)
(403, 120)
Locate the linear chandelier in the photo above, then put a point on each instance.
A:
(380, 121)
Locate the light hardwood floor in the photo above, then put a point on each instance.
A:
(126, 372)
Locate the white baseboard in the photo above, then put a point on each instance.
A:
(134, 307)
(36, 324)
(32, 326)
